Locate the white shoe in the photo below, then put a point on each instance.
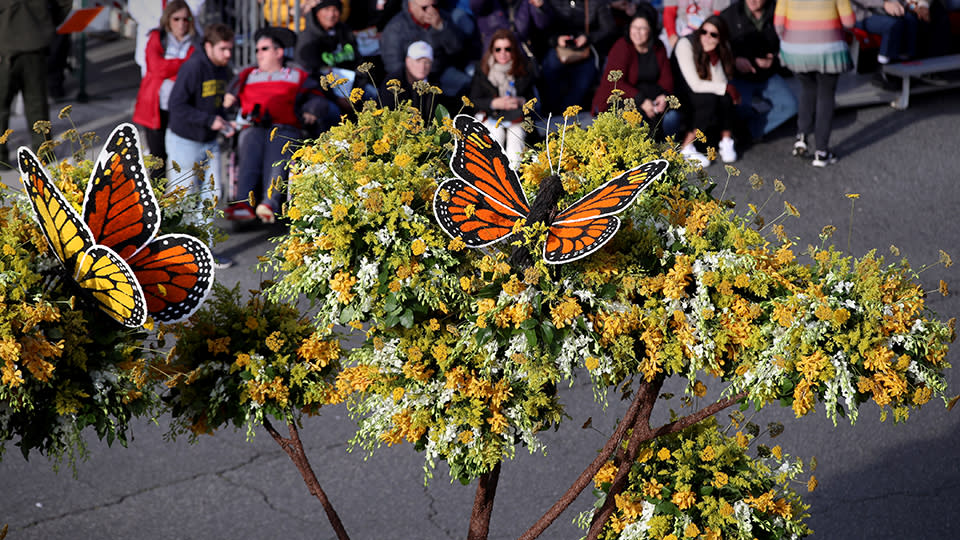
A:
(726, 150)
(691, 153)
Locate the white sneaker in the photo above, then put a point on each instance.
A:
(726, 150)
(690, 152)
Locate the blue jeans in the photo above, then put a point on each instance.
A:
(196, 168)
(566, 84)
(260, 163)
(671, 122)
(899, 34)
(775, 104)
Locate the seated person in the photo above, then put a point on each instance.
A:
(527, 16)
(422, 21)
(896, 25)
(766, 100)
(501, 85)
(647, 76)
(572, 29)
(272, 96)
(703, 66)
(682, 18)
(416, 67)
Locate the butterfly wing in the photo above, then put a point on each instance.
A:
(67, 234)
(108, 279)
(176, 274)
(119, 206)
(586, 225)
(465, 212)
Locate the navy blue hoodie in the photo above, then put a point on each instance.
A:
(197, 97)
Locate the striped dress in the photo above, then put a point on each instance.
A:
(811, 35)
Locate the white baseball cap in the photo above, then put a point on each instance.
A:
(420, 49)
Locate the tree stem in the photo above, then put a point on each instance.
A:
(294, 449)
(483, 504)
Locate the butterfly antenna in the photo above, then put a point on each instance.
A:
(563, 134)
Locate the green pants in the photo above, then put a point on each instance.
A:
(23, 72)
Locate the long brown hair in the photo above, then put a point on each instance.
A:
(702, 59)
(174, 6)
(519, 66)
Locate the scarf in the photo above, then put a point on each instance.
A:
(499, 75)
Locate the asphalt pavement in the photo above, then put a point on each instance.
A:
(876, 480)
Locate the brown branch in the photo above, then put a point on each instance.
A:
(642, 434)
(648, 393)
(293, 446)
(586, 476)
(483, 504)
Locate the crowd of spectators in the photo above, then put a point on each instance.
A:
(726, 61)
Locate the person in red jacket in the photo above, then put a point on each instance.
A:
(646, 74)
(168, 47)
(273, 97)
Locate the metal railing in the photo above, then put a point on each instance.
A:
(248, 16)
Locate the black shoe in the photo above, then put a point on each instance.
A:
(823, 158)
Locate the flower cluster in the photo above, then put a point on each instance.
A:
(243, 362)
(464, 354)
(702, 483)
(63, 365)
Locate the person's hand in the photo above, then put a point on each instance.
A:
(894, 9)
(432, 17)
(923, 13)
(309, 119)
(743, 65)
(580, 42)
(660, 104)
(562, 41)
(673, 41)
(229, 100)
(733, 93)
(536, 3)
(505, 103)
(218, 123)
(648, 108)
(765, 62)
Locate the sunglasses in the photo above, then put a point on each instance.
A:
(262, 49)
(502, 49)
(709, 33)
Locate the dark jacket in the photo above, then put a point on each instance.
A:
(197, 97)
(750, 43)
(569, 19)
(402, 30)
(482, 92)
(492, 15)
(317, 49)
(640, 80)
(29, 25)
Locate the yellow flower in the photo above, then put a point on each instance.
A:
(632, 117)
(402, 160)
(418, 247)
(252, 323)
(663, 454)
(777, 452)
(592, 363)
(720, 479)
(572, 110)
(356, 95)
(221, 345)
(699, 389)
(465, 437)
(812, 483)
(684, 499)
(275, 341)
(456, 244)
(691, 531)
(465, 283)
(605, 474)
(742, 440)
(466, 101)
(707, 454)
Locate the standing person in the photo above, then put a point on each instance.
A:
(647, 76)
(766, 100)
(168, 47)
(197, 116)
(501, 85)
(26, 32)
(273, 96)
(703, 66)
(682, 18)
(812, 46)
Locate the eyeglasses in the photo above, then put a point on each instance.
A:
(709, 33)
(181, 19)
(262, 49)
(502, 49)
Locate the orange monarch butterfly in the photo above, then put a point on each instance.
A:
(113, 253)
(486, 199)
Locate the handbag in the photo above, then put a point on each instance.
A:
(570, 55)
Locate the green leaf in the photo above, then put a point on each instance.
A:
(407, 319)
(529, 324)
(531, 338)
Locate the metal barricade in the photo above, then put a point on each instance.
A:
(248, 16)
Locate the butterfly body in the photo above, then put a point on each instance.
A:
(112, 252)
(485, 200)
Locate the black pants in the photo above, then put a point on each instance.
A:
(815, 106)
(712, 114)
(24, 72)
(155, 141)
